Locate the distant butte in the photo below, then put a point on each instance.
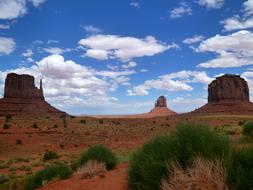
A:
(161, 108)
(23, 98)
(228, 94)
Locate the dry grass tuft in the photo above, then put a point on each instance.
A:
(91, 169)
(203, 175)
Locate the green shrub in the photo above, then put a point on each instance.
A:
(83, 121)
(248, 129)
(55, 126)
(6, 126)
(148, 165)
(99, 153)
(101, 121)
(241, 122)
(50, 155)
(58, 170)
(18, 142)
(8, 118)
(35, 126)
(240, 172)
(3, 178)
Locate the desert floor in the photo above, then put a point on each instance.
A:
(23, 144)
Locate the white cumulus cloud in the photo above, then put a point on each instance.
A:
(243, 21)
(194, 39)
(4, 26)
(67, 83)
(124, 48)
(182, 10)
(11, 9)
(56, 50)
(92, 29)
(232, 50)
(178, 81)
(216, 4)
(131, 64)
(7, 45)
(28, 53)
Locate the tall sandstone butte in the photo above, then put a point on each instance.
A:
(228, 87)
(23, 98)
(161, 108)
(228, 94)
(22, 86)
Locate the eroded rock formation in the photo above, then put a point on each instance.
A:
(23, 98)
(228, 87)
(22, 86)
(161, 108)
(161, 102)
(227, 94)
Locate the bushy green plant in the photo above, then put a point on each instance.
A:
(18, 142)
(148, 165)
(99, 153)
(248, 129)
(35, 126)
(6, 126)
(50, 155)
(58, 170)
(101, 121)
(3, 178)
(83, 121)
(240, 172)
(241, 122)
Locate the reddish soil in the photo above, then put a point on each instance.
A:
(156, 112)
(113, 180)
(74, 134)
(226, 107)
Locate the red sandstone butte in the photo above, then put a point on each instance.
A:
(23, 98)
(228, 94)
(161, 108)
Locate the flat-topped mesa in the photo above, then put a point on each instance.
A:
(161, 102)
(22, 86)
(228, 87)
(227, 94)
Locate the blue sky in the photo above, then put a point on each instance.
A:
(117, 57)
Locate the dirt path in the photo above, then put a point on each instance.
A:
(113, 180)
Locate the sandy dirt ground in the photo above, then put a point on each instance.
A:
(71, 136)
(112, 180)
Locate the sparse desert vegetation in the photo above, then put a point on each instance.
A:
(97, 153)
(203, 174)
(133, 150)
(91, 169)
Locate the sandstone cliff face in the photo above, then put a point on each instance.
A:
(161, 102)
(228, 87)
(23, 98)
(227, 94)
(22, 86)
(161, 108)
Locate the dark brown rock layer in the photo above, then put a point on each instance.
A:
(227, 94)
(161, 102)
(23, 98)
(161, 108)
(228, 87)
(22, 86)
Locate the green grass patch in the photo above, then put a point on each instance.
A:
(50, 155)
(240, 172)
(148, 165)
(61, 171)
(99, 153)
